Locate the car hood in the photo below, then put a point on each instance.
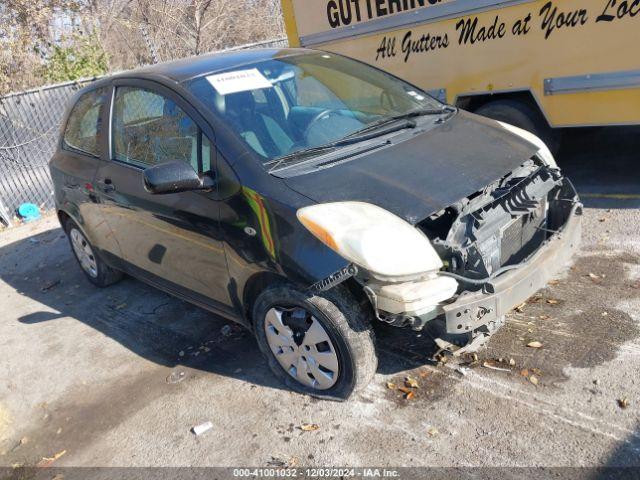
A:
(424, 174)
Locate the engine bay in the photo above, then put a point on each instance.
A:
(503, 224)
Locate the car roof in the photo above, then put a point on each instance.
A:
(192, 67)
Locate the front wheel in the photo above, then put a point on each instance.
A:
(318, 344)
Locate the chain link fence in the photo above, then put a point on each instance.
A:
(29, 128)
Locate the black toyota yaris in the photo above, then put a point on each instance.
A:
(306, 195)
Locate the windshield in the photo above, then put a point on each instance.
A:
(282, 106)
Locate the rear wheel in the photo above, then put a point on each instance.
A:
(98, 272)
(522, 115)
(321, 345)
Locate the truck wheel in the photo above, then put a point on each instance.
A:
(521, 115)
(317, 344)
(98, 272)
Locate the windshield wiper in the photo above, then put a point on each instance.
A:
(373, 130)
(357, 137)
(403, 116)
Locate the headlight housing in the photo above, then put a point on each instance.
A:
(544, 153)
(372, 238)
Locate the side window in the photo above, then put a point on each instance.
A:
(149, 129)
(83, 127)
(207, 155)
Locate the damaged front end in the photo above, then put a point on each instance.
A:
(498, 247)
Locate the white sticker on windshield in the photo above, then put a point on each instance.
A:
(238, 81)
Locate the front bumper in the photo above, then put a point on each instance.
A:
(476, 309)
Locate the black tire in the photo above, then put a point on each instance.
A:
(522, 115)
(346, 322)
(104, 275)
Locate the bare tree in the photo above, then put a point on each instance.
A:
(25, 36)
(130, 32)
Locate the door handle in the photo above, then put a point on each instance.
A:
(106, 185)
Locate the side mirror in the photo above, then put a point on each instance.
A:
(173, 177)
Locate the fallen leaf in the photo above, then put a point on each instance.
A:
(432, 431)
(520, 308)
(537, 371)
(512, 362)
(623, 402)
(23, 441)
(277, 462)
(391, 385)
(524, 372)
(405, 390)
(492, 367)
(552, 301)
(530, 330)
(533, 379)
(593, 276)
(411, 382)
(50, 285)
(46, 461)
(535, 344)
(309, 427)
(409, 395)
(553, 282)
(470, 358)
(544, 317)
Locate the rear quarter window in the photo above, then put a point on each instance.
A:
(83, 127)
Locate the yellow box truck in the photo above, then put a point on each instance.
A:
(538, 64)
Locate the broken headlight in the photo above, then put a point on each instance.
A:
(372, 238)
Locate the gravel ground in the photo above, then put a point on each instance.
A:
(118, 377)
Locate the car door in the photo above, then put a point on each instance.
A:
(73, 166)
(171, 240)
